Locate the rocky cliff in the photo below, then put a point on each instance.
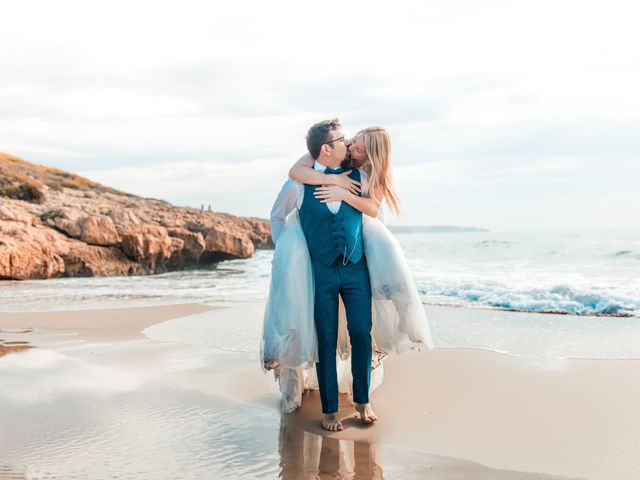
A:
(57, 224)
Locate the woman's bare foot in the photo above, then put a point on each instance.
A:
(367, 415)
(271, 364)
(331, 422)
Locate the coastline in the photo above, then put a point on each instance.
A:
(448, 410)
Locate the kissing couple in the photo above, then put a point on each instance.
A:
(341, 297)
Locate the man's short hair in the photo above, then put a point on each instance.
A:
(319, 134)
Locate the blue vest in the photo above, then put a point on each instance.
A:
(329, 235)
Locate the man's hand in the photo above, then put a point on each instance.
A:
(331, 193)
(343, 180)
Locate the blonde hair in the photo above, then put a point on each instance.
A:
(378, 147)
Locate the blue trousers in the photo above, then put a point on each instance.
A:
(351, 281)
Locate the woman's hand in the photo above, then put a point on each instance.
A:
(343, 180)
(331, 193)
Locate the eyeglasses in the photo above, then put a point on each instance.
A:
(336, 140)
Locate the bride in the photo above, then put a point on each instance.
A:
(289, 342)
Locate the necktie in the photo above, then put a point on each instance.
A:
(331, 170)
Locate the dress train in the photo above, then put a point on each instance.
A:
(289, 334)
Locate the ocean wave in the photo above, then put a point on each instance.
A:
(626, 254)
(561, 298)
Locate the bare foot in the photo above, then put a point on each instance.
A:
(271, 364)
(331, 422)
(367, 415)
(377, 358)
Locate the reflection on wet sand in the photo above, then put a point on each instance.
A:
(8, 473)
(147, 410)
(307, 452)
(9, 347)
(305, 455)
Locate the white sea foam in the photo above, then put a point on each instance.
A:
(576, 273)
(531, 297)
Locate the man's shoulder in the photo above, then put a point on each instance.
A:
(288, 198)
(291, 185)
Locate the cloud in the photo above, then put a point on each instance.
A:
(486, 94)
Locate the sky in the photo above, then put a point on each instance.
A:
(505, 115)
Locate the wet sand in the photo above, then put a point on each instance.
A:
(99, 396)
(114, 323)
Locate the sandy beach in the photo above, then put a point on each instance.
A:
(95, 394)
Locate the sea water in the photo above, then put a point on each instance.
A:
(512, 285)
(594, 272)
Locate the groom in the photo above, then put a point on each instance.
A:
(334, 236)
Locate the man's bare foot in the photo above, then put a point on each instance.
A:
(331, 422)
(367, 415)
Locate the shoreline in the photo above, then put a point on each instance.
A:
(451, 409)
(540, 312)
(220, 304)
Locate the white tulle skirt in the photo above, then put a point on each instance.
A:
(289, 334)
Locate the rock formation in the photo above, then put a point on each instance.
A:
(57, 224)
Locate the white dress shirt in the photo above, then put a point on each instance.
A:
(292, 194)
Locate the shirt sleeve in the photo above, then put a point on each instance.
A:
(286, 201)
